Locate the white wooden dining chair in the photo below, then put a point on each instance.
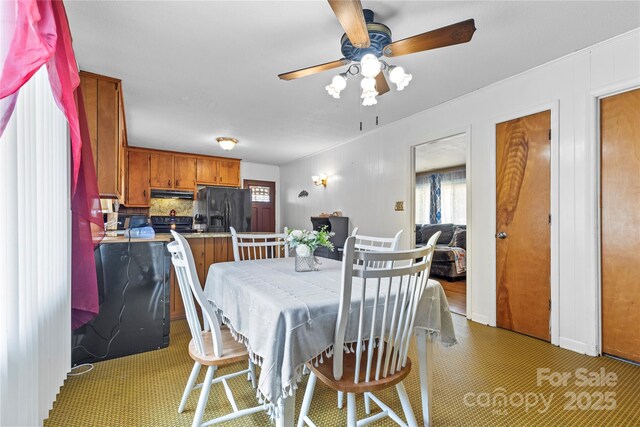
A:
(380, 359)
(247, 246)
(375, 244)
(211, 345)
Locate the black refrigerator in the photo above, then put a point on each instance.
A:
(224, 208)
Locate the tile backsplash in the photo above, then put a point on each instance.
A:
(164, 206)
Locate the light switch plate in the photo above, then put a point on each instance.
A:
(399, 206)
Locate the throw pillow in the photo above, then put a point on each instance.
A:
(459, 239)
(429, 230)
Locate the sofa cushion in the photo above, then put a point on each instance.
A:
(459, 238)
(443, 253)
(429, 230)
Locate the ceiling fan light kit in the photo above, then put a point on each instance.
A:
(364, 41)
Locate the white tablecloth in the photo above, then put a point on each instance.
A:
(287, 318)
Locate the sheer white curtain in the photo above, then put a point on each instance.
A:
(35, 299)
(423, 199)
(454, 199)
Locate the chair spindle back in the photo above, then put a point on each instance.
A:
(392, 292)
(190, 289)
(247, 246)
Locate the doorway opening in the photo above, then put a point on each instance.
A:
(263, 205)
(441, 205)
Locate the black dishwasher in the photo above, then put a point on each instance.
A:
(133, 288)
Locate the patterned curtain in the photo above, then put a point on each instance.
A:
(441, 197)
(435, 211)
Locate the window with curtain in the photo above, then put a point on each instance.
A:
(441, 197)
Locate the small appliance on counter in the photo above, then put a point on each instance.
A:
(138, 227)
(199, 223)
(181, 224)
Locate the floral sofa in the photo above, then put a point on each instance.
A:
(449, 258)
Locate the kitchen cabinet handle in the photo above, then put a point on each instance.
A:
(169, 183)
(144, 193)
(177, 183)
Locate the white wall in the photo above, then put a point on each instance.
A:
(370, 173)
(262, 172)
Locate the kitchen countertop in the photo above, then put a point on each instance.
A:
(122, 239)
(166, 237)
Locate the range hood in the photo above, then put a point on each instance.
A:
(172, 194)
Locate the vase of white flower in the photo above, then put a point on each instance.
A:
(305, 243)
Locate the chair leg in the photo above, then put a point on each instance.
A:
(351, 410)
(340, 399)
(190, 383)
(252, 374)
(204, 395)
(406, 405)
(306, 402)
(367, 404)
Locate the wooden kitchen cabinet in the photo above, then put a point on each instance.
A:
(229, 172)
(105, 116)
(184, 172)
(206, 251)
(161, 170)
(138, 191)
(207, 171)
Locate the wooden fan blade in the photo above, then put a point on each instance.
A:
(349, 13)
(381, 84)
(442, 37)
(312, 70)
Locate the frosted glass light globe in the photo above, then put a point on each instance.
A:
(368, 84)
(396, 75)
(370, 66)
(339, 82)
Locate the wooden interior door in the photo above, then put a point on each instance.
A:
(523, 247)
(263, 205)
(620, 216)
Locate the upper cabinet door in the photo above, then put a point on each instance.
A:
(108, 138)
(90, 95)
(138, 192)
(161, 170)
(229, 172)
(207, 171)
(184, 172)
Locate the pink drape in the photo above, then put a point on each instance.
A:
(35, 33)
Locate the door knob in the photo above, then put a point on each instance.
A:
(501, 235)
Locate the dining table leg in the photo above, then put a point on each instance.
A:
(287, 412)
(424, 342)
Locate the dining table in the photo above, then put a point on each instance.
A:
(287, 319)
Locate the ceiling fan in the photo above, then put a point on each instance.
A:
(365, 41)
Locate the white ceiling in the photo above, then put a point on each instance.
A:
(192, 71)
(441, 154)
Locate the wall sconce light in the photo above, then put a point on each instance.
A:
(320, 180)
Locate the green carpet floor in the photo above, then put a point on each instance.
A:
(471, 380)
